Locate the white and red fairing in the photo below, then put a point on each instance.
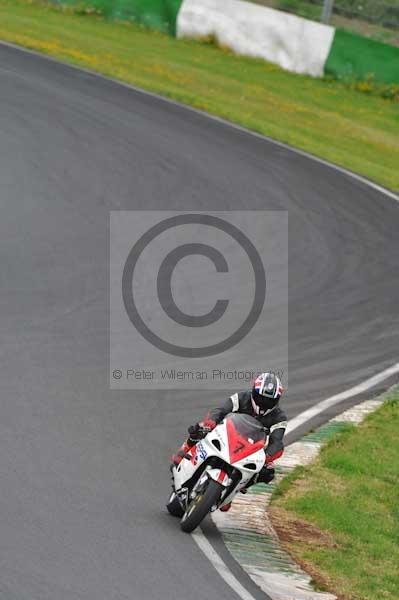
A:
(238, 441)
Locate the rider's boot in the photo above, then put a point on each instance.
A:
(181, 453)
(266, 475)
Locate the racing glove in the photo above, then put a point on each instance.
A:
(200, 430)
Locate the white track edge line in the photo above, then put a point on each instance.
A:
(322, 161)
(294, 423)
(220, 566)
(328, 402)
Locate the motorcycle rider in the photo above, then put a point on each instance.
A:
(262, 402)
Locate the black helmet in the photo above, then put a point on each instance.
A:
(266, 393)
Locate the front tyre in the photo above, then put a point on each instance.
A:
(174, 507)
(200, 506)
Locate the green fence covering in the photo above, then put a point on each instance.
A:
(160, 15)
(357, 57)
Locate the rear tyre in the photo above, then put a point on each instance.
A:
(174, 507)
(200, 506)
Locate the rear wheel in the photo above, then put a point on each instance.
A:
(174, 507)
(200, 506)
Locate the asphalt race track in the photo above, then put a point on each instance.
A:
(83, 470)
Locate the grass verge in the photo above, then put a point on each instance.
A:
(323, 117)
(339, 517)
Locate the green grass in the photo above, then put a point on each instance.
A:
(351, 495)
(325, 118)
(286, 483)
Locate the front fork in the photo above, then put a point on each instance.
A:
(218, 475)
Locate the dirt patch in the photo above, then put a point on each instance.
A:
(295, 535)
(292, 529)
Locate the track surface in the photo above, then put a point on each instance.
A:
(82, 469)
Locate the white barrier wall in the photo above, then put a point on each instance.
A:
(294, 43)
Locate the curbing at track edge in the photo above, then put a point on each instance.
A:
(249, 534)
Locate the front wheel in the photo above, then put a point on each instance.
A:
(201, 505)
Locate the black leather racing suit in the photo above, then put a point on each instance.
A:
(275, 422)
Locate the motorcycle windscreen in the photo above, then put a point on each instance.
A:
(245, 436)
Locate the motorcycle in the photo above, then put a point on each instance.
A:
(216, 468)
